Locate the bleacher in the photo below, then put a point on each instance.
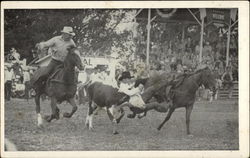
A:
(223, 94)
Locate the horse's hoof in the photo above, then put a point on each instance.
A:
(57, 116)
(115, 133)
(119, 119)
(48, 118)
(190, 135)
(91, 129)
(159, 128)
(131, 116)
(139, 116)
(40, 126)
(67, 115)
(87, 125)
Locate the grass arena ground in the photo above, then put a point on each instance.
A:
(214, 127)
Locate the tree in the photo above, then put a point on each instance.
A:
(96, 29)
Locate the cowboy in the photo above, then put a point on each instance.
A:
(127, 87)
(14, 56)
(58, 46)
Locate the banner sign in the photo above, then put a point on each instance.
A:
(166, 13)
(94, 61)
(218, 16)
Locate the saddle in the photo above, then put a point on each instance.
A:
(59, 76)
(177, 81)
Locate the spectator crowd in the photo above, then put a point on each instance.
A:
(178, 55)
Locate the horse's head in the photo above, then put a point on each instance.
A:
(208, 78)
(73, 59)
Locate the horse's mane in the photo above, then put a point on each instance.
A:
(140, 81)
(199, 70)
(196, 72)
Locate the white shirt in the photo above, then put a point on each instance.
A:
(26, 76)
(16, 56)
(109, 80)
(8, 75)
(102, 76)
(83, 77)
(125, 88)
(95, 77)
(58, 47)
(135, 97)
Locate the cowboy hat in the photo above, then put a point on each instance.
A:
(12, 49)
(68, 30)
(125, 75)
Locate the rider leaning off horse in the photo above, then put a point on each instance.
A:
(59, 46)
(127, 87)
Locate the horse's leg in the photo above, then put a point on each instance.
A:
(39, 117)
(171, 110)
(188, 113)
(159, 107)
(74, 108)
(54, 109)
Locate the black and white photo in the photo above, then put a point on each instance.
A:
(114, 77)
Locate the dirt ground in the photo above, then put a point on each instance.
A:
(214, 127)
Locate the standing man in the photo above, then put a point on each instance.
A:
(227, 81)
(58, 46)
(26, 82)
(189, 45)
(8, 76)
(14, 56)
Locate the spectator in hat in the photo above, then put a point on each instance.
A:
(58, 46)
(95, 75)
(110, 79)
(14, 56)
(127, 87)
(207, 50)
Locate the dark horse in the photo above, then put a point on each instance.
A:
(183, 95)
(60, 86)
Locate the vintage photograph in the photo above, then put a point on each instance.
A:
(114, 79)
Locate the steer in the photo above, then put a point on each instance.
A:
(101, 95)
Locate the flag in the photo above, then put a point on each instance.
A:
(202, 13)
(233, 13)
